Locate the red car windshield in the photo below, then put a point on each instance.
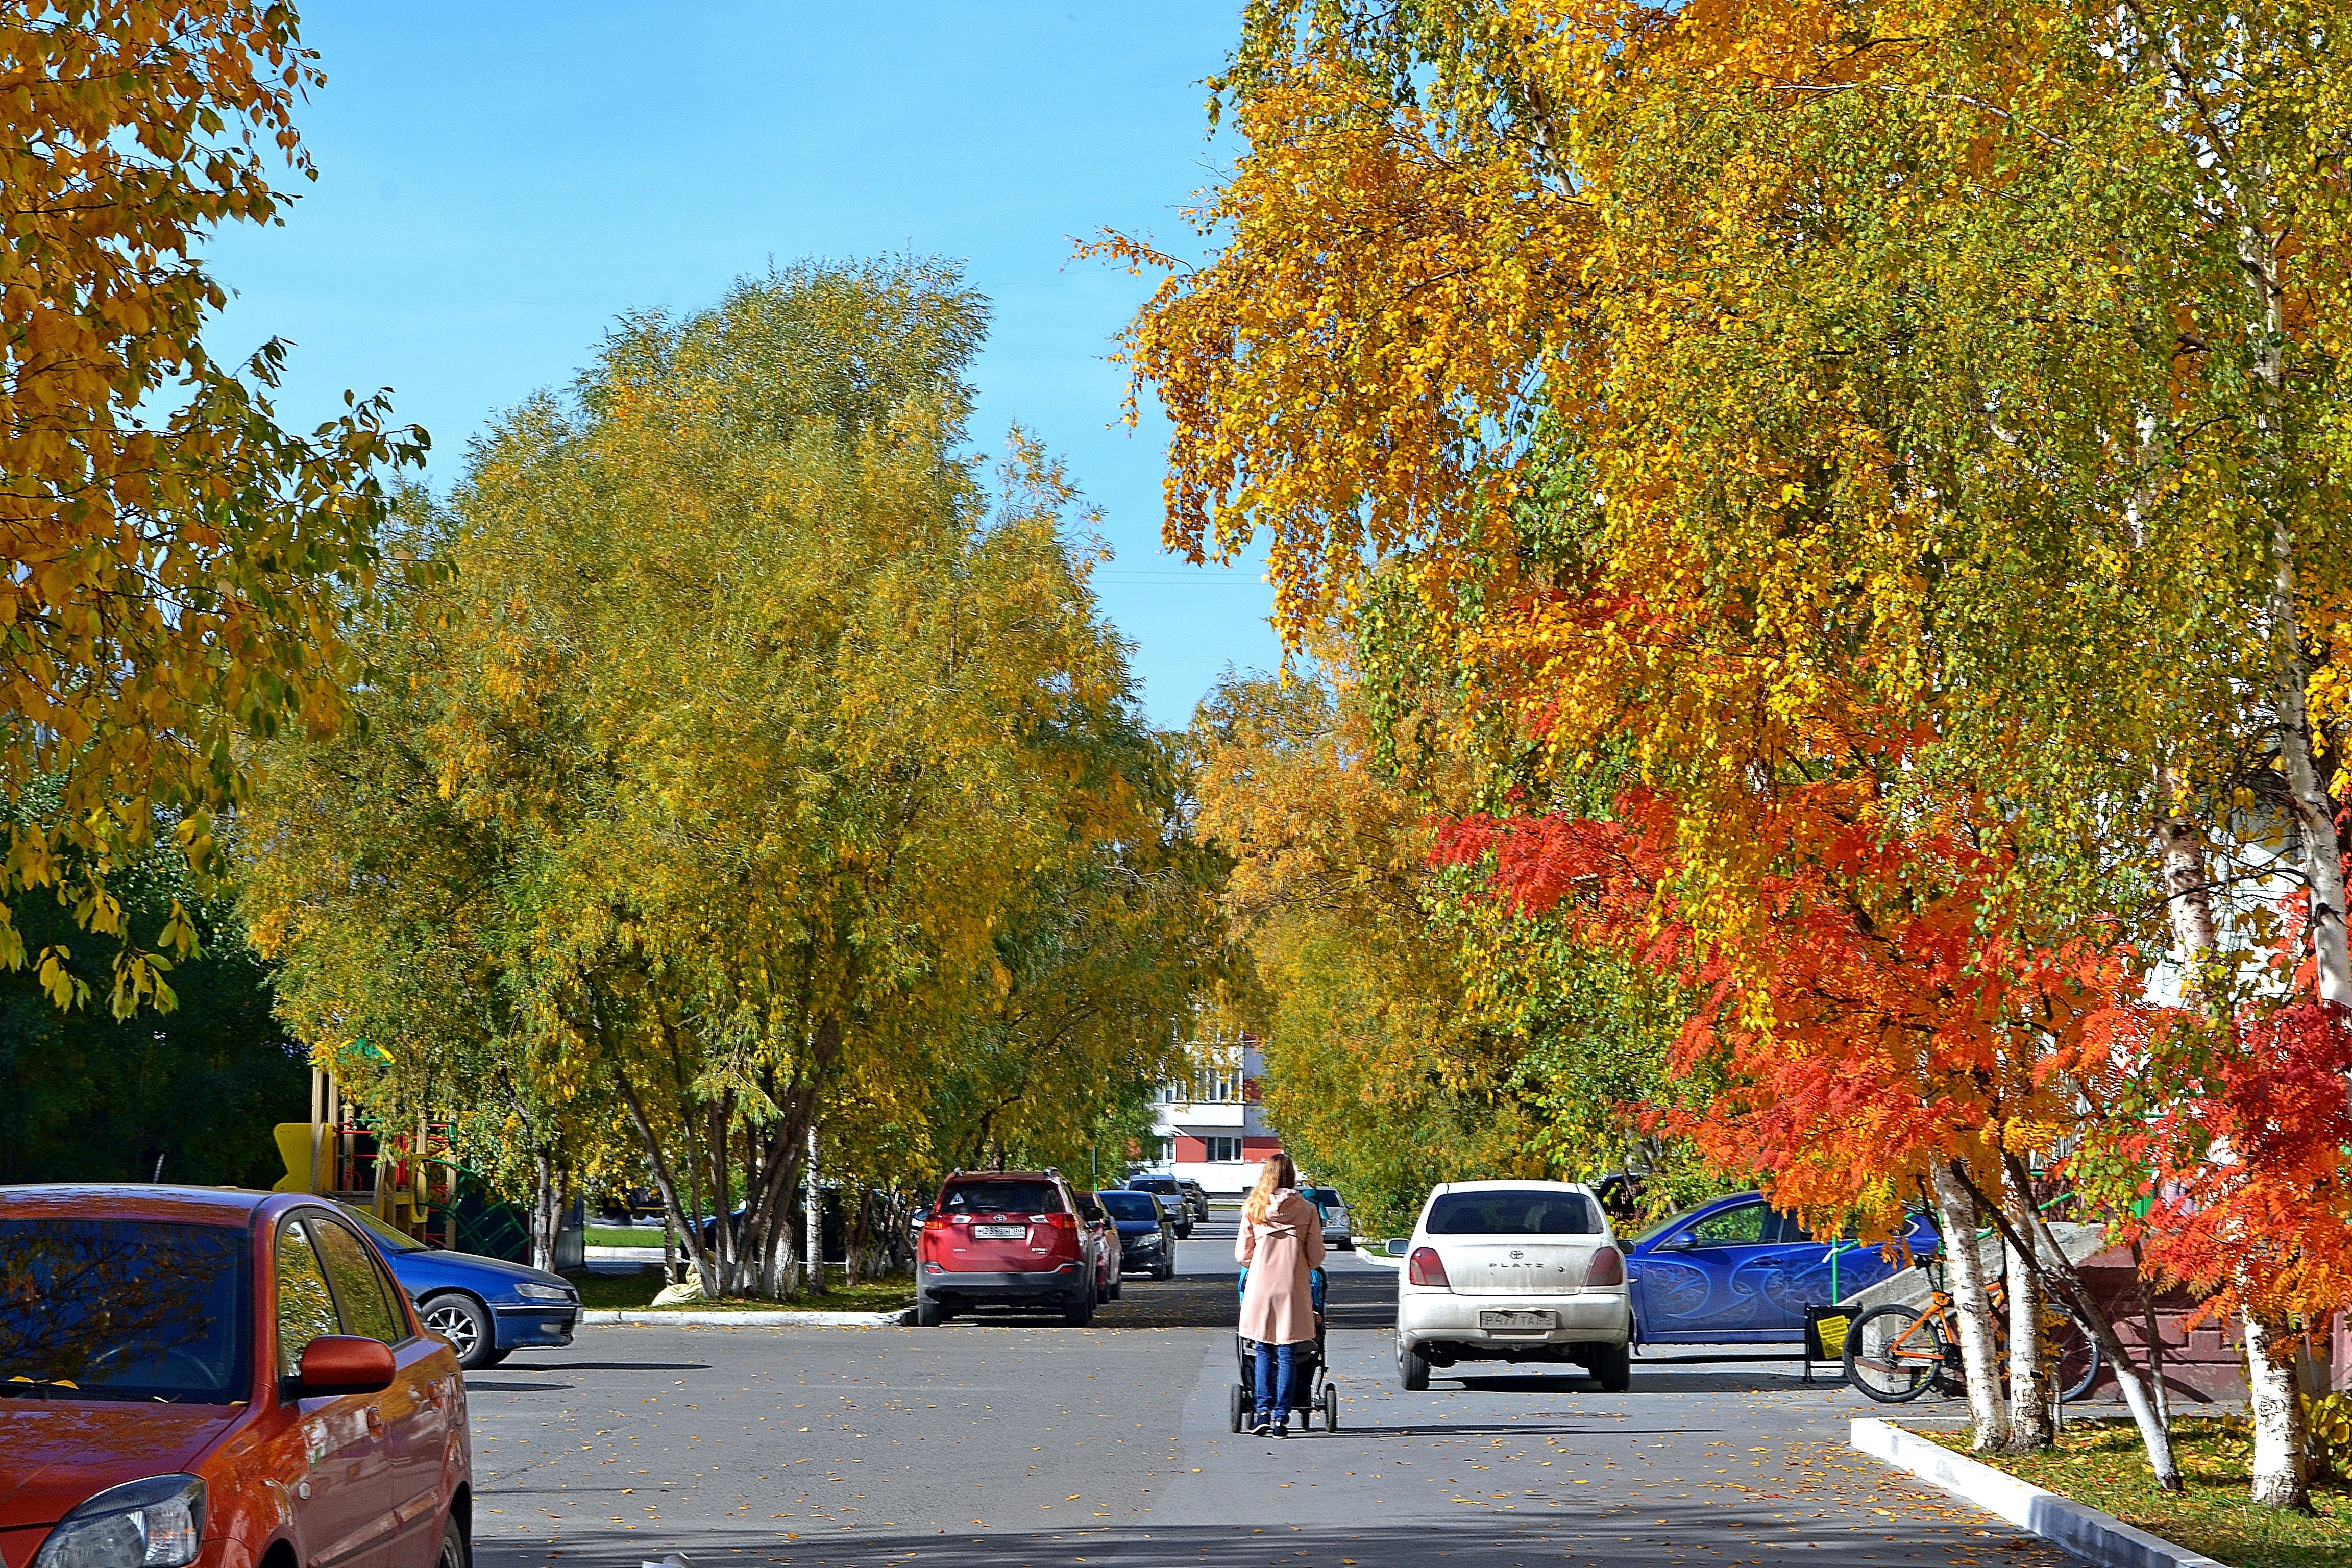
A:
(1000, 1197)
(118, 1308)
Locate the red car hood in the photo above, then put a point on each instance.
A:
(56, 1453)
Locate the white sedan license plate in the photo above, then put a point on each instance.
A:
(1000, 1232)
(1518, 1323)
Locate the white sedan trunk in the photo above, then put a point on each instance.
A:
(1517, 1265)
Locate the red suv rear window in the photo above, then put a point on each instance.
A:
(1010, 1196)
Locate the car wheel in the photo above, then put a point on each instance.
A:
(927, 1312)
(1613, 1366)
(1166, 1271)
(465, 1324)
(455, 1552)
(1118, 1284)
(1080, 1310)
(1413, 1368)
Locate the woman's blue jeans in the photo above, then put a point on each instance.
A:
(1277, 1368)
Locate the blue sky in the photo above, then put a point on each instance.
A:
(498, 180)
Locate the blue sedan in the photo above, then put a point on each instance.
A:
(1147, 1237)
(485, 1307)
(1738, 1271)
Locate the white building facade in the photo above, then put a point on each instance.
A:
(1213, 1130)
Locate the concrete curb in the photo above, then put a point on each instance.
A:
(670, 1317)
(2091, 1535)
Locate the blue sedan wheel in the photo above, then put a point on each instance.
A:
(466, 1326)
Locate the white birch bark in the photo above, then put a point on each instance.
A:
(2279, 1479)
(2030, 1424)
(1972, 1311)
(2155, 1436)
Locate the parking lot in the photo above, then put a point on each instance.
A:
(1016, 1442)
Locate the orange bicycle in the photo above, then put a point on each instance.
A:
(1898, 1352)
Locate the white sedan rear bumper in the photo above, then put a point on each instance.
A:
(1588, 1316)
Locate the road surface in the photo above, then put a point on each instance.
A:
(1025, 1445)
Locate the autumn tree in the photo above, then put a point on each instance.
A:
(179, 562)
(1849, 424)
(802, 774)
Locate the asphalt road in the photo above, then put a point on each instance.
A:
(1018, 1444)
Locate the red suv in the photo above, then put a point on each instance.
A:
(207, 1379)
(1006, 1238)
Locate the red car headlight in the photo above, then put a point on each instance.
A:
(155, 1523)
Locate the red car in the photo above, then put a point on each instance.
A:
(211, 1379)
(1007, 1238)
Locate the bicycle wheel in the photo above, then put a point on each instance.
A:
(1894, 1353)
(2077, 1355)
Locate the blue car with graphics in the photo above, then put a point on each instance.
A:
(1736, 1270)
(485, 1307)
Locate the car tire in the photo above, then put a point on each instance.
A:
(1118, 1284)
(1613, 1366)
(465, 1323)
(1079, 1311)
(1413, 1368)
(456, 1552)
(928, 1314)
(1166, 1271)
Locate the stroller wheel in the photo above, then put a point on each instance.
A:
(1236, 1406)
(1330, 1408)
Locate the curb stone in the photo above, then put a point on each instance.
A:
(747, 1320)
(2091, 1535)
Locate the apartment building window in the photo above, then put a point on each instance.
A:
(1223, 1151)
(1221, 1087)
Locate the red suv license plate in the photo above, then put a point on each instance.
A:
(1001, 1232)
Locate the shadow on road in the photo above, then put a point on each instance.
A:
(1656, 1534)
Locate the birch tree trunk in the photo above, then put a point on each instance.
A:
(2029, 1426)
(1973, 1309)
(546, 1211)
(2061, 1275)
(2279, 1471)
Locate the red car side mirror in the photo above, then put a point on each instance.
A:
(345, 1364)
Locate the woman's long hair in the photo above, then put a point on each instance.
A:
(1276, 1173)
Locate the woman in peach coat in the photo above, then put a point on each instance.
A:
(1281, 1241)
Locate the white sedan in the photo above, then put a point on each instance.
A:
(1513, 1271)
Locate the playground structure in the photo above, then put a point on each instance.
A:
(405, 1177)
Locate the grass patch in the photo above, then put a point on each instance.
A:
(625, 1235)
(637, 1291)
(2100, 1463)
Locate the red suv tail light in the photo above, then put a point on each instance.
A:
(1607, 1267)
(1059, 1221)
(1425, 1268)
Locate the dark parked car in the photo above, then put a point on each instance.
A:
(1145, 1230)
(1005, 1239)
(1111, 1254)
(485, 1307)
(1736, 1270)
(199, 1378)
(1173, 1191)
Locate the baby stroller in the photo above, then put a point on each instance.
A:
(1310, 1383)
